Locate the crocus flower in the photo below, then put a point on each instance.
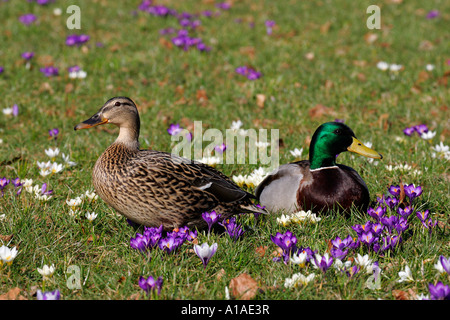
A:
(220, 148)
(150, 284)
(234, 230)
(174, 129)
(408, 131)
(394, 190)
(48, 295)
(139, 242)
(445, 262)
(3, 183)
(405, 275)
(7, 255)
(250, 73)
(422, 215)
(46, 271)
(377, 213)
(49, 71)
(439, 291)
(205, 252)
(53, 133)
(27, 19)
(432, 14)
(269, 25)
(406, 212)
(322, 262)
(412, 191)
(27, 55)
(223, 6)
(210, 218)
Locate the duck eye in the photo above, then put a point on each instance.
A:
(337, 131)
(117, 103)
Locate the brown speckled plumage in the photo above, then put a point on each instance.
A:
(152, 187)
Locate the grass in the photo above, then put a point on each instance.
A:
(136, 61)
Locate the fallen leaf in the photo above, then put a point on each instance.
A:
(165, 43)
(370, 37)
(12, 294)
(325, 27)
(320, 110)
(309, 56)
(243, 287)
(201, 96)
(6, 238)
(400, 295)
(260, 99)
(220, 274)
(261, 250)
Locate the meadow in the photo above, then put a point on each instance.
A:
(286, 65)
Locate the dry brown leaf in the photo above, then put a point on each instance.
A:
(309, 56)
(261, 250)
(260, 99)
(400, 295)
(12, 294)
(6, 238)
(201, 96)
(165, 43)
(325, 27)
(220, 274)
(243, 287)
(320, 110)
(370, 37)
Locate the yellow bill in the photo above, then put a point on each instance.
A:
(359, 148)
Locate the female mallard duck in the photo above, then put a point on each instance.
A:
(156, 188)
(319, 183)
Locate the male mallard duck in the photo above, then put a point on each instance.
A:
(319, 183)
(156, 188)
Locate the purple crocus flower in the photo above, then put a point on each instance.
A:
(27, 19)
(168, 244)
(408, 131)
(139, 242)
(150, 284)
(412, 191)
(220, 148)
(48, 295)
(153, 235)
(389, 222)
(210, 218)
(53, 133)
(392, 202)
(269, 25)
(402, 225)
(367, 237)
(421, 128)
(75, 39)
(422, 215)
(406, 212)
(394, 190)
(322, 262)
(1, 69)
(250, 73)
(49, 71)
(27, 55)
(44, 190)
(3, 183)
(286, 241)
(338, 253)
(432, 14)
(205, 252)
(445, 262)
(223, 6)
(174, 129)
(362, 228)
(377, 213)
(338, 243)
(15, 110)
(439, 291)
(234, 230)
(429, 224)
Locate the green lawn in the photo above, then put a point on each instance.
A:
(319, 64)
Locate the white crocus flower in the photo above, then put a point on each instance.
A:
(56, 167)
(67, 161)
(52, 153)
(299, 259)
(47, 271)
(91, 216)
(73, 203)
(298, 279)
(297, 153)
(428, 135)
(405, 275)
(7, 255)
(363, 261)
(382, 65)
